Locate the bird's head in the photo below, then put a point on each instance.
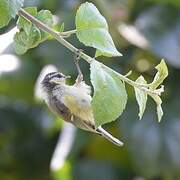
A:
(52, 79)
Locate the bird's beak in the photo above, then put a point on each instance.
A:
(59, 81)
(67, 77)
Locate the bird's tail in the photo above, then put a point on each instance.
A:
(109, 137)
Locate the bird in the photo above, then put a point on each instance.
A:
(72, 103)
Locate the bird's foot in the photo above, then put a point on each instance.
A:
(76, 61)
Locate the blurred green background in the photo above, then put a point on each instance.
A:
(144, 31)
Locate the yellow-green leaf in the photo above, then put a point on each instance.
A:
(141, 96)
(158, 101)
(160, 75)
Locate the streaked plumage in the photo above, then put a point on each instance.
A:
(72, 103)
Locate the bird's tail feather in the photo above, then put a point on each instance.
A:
(109, 137)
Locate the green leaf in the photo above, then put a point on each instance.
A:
(46, 17)
(141, 96)
(160, 75)
(92, 30)
(8, 10)
(158, 101)
(159, 112)
(22, 23)
(20, 45)
(61, 29)
(23, 42)
(109, 99)
(29, 35)
(158, 79)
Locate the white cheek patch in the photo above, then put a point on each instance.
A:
(39, 92)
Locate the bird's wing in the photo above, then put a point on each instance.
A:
(80, 123)
(79, 103)
(59, 108)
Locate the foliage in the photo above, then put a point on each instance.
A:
(28, 133)
(92, 30)
(141, 96)
(8, 10)
(109, 88)
(29, 35)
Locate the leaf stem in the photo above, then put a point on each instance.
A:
(68, 33)
(59, 37)
(142, 87)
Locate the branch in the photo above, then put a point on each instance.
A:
(54, 33)
(75, 50)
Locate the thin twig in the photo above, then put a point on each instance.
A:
(68, 33)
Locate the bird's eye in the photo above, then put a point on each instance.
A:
(59, 76)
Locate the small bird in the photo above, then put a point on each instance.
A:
(72, 103)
